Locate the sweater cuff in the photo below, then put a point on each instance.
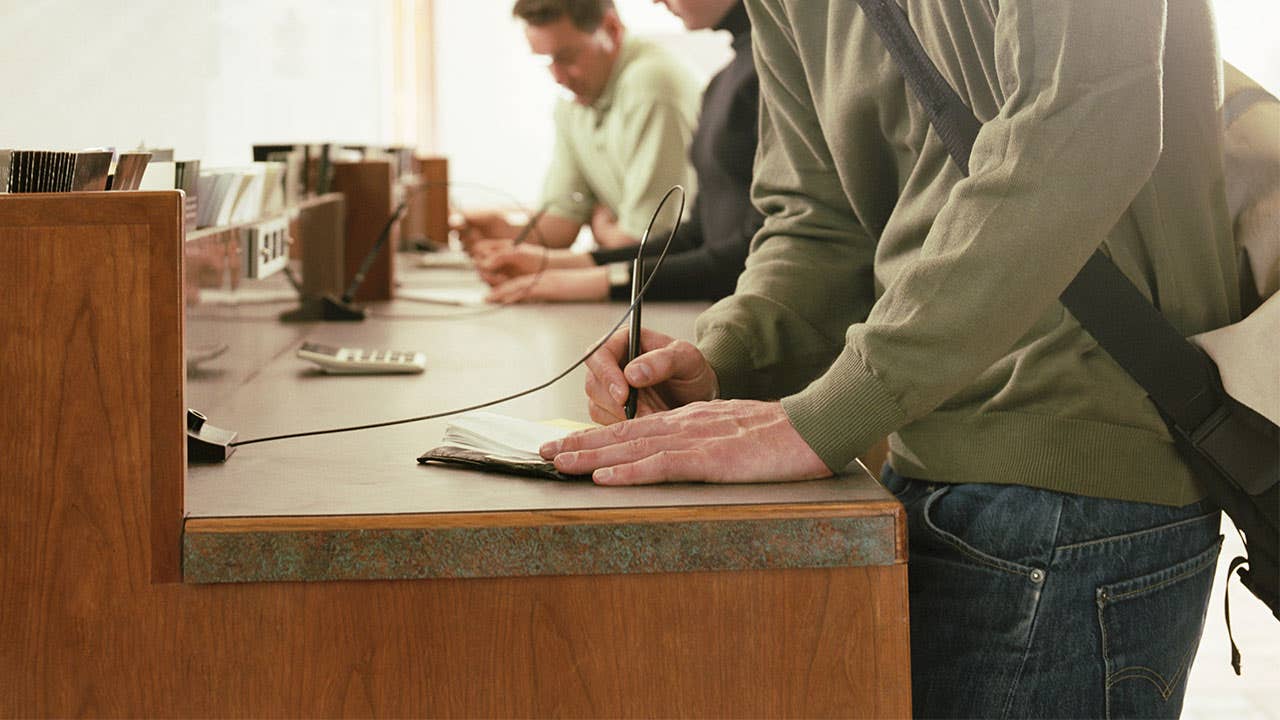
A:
(732, 362)
(843, 412)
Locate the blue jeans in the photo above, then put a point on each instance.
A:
(1030, 603)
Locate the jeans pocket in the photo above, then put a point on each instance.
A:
(967, 551)
(1151, 628)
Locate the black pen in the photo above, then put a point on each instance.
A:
(528, 226)
(523, 235)
(633, 342)
(637, 284)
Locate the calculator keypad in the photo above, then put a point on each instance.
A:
(362, 360)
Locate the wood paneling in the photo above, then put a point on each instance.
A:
(367, 187)
(93, 371)
(427, 217)
(766, 643)
(435, 172)
(319, 229)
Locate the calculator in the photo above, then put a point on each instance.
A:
(352, 361)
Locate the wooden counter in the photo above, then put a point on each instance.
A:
(334, 575)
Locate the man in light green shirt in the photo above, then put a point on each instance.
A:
(1060, 557)
(621, 142)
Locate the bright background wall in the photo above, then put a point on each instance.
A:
(212, 77)
(208, 78)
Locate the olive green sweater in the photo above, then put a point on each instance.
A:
(886, 293)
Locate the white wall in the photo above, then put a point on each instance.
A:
(208, 77)
(1249, 35)
(211, 77)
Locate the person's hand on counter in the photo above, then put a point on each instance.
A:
(478, 225)
(680, 432)
(721, 441)
(566, 285)
(498, 264)
(481, 249)
(606, 230)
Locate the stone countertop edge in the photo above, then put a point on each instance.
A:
(326, 554)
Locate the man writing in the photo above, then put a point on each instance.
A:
(1060, 557)
(620, 143)
(708, 249)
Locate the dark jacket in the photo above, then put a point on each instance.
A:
(709, 249)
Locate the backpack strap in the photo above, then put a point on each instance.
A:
(951, 118)
(1226, 610)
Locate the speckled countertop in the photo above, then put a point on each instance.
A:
(695, 542)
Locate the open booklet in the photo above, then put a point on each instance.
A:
(498, 443)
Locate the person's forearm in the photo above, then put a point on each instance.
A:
(568, 260)
(611, 237)
(554, 231)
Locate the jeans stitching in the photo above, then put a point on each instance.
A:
(973, 553)
(1137, 533)
(1165, 690)
(1162, 583)
(1142, 672)
(1035, 624)
(1106, 655)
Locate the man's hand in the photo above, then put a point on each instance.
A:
(602, 220)
(482, 249)
(668, 372)
(723, 441)
(607, 232)
(498, 265)
(481, 225)
(553, 286)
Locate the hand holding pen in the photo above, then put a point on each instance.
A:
(638, 284)
(633, 333)
(666, 374)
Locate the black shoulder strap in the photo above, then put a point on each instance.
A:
(1179, 378)
(951, 118)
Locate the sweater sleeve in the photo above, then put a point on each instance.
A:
(808, 275)
(1076, 138)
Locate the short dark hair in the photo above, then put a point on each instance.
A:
(586, 15)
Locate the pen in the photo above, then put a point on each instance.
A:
(633, 342)
(528, 227)
(637, 283)
(523, 235)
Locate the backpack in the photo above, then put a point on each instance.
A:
(1232, 449)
